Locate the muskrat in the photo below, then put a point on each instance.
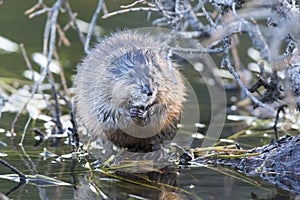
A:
(126, 92)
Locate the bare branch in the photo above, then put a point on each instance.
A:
(147, 9)
(92, 26)
(54, 15)
(138, 2)
(226, 61)
(39, 4)
(62, 36)
(40, 12)
(73, 21)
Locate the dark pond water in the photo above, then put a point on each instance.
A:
(170, 183)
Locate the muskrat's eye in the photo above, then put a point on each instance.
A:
(146, 89)
(130, 75)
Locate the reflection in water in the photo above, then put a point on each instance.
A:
(160, 184)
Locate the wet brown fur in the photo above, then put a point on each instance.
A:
(105, 91)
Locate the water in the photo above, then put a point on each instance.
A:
(183, 183)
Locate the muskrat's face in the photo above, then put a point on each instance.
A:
(136, 86)
(136, 98)
(137, 106)
(143, 103)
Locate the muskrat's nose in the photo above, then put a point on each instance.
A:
(147, 90)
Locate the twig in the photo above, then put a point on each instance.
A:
(92, 25)
(39, 12)
(74, 131)
(46, 34)
(35, 7)
(118, 12)
(160, 22)
(209, 19)
(235, 53)
(27, 61)
(25, 130)
(56, 114)
(104, 8)
(192, 18)
(137, 2)
(54, 16)
(62, 36)
(15, 170)
(226, 61)
(170, 53)
(190, 34)
(73, 21)
(196, 50)
(62, 77)
(279, 109)
(169, 15)
(255, 35)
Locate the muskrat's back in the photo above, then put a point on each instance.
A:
(127, 93)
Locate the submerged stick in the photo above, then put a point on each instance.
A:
(15, 170)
